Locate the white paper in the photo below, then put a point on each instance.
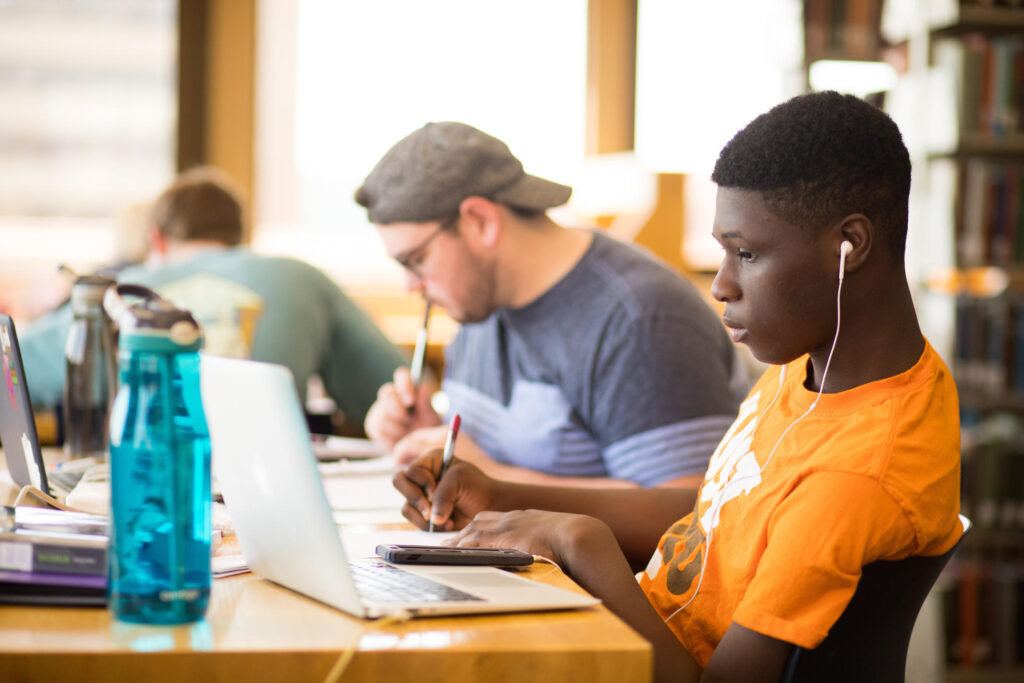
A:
(373, 466)
(368, 517)
(228, 565)
(334, 447)
(370, 492)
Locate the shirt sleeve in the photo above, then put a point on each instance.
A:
(661, 398)
(818, 540)
(359, 359)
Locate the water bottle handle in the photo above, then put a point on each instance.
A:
(114, 299)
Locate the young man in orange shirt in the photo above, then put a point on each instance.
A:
(844, 453)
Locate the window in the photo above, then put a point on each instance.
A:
(704, 70)
(340, 83)
(86, 128)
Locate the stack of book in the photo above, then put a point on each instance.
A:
(52, 557)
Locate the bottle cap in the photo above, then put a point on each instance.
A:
(151, 323)
(88, 291)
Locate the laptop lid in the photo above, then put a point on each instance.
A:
(17, 421)
(264, 462)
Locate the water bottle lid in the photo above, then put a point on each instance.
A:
(151, 323)
(88, 290)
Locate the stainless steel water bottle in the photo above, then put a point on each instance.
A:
(90, 380)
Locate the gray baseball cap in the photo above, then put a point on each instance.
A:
(428, 173)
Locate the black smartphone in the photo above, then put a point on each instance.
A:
(436, 554)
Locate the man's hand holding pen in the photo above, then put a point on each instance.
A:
(403, 405)
(389, 418)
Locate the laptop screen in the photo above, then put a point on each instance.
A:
(18, 435)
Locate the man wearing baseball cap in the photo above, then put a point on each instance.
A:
(580, 359)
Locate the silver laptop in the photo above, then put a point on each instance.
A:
(264, 462)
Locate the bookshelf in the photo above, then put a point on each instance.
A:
(842, 29)
(960, 103)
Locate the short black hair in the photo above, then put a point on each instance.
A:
(820, 157)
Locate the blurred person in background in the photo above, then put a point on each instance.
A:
(273, 309)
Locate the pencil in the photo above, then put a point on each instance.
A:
(446, 459)
(416, 370)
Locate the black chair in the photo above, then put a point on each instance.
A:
(869, 641)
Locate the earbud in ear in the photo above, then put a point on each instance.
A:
(845, 248)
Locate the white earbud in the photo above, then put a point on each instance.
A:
(845, 248)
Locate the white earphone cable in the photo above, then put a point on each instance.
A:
(821, 389)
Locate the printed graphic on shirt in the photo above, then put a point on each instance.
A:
(534, 430)
(227, 311)
(733, 470)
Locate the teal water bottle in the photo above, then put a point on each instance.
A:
(160, 523)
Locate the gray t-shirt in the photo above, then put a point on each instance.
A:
(619, 370)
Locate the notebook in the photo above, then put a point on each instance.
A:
(263, 459)
(17, 421)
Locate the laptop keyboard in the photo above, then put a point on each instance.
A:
(383, 583)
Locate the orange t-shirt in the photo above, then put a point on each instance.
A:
(872, 473)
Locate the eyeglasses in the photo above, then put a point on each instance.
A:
(413, 258)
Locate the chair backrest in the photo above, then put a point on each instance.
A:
(869, 641)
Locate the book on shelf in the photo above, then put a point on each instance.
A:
(982, 83)
(984, 584)
(983, 614)
(845, 29)
(860, 33)
(988, 355)
(1016, 370)
(989, 220)
(980, 362)
(993, 492)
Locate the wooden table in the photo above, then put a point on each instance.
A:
(258, 631)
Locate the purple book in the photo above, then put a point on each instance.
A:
(45, 588)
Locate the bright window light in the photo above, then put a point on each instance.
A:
(346, 80)
(704, 70)
(854, 78)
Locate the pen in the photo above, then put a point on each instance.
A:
(417, 357)
(446, 460)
